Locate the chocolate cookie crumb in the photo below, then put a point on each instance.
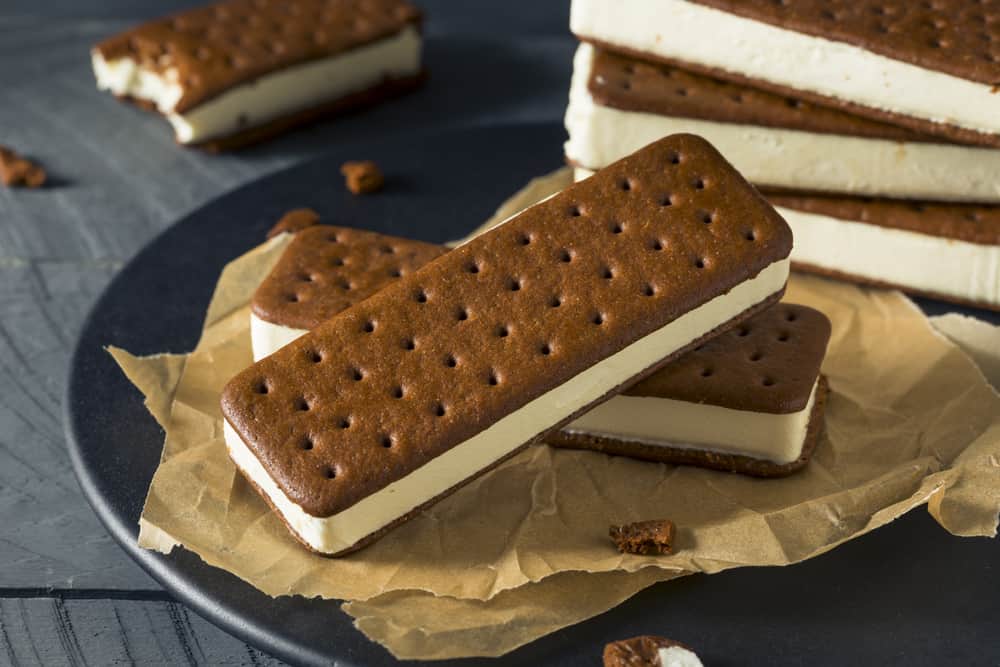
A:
(362, 177)
(295, 220)
(15, 171)
(644, 537)
(644, 651)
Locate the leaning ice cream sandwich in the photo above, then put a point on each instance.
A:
(929, 66)
(749, 401)
(435, 379)
(618, 104)
(325, 270)
(235, 72)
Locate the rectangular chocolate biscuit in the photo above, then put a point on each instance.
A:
(238, 71)
(619, 103)
(748, 401)
(446, 372)
(929, 66)
(324, 270)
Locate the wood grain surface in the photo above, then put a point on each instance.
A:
(68, 594)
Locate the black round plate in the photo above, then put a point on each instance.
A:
(878, 600)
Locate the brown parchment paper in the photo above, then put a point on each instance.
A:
(911, 420)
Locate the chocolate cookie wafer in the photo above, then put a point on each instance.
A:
(446, 372)
(325, 270)
(944, 251)
(618, 104)
(749, 401)
(929, 66)
(239, 71)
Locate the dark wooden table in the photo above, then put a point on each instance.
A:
(68, 594)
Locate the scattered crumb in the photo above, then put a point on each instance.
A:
(649, 651)
(644, 537)
(15, 171)
(294, 221)
(362, 177)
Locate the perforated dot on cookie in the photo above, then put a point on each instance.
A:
(675, 158)
(502, 331)
(555, 302)
(625, 184)
(756, 356)
(657, 245)
(368, 327)
(783, 337)
(750, 235)
(398, 392)
(742, 332)
(440, 410)
(791, 317)
(332, 238)
(420, 296)
(706, 217)
(292, 298)
(262, 387)
(387, 249)
(699, 184)
(315, 356)
(681, 92)
(524, 239)
(575, 211)
(607, 273)
(330, 472)
(473, 267)
(649, 290)
(667, 200)
(357, 374)
(707, 372)
(700, 263)
(616, 228)
(462, 314)
(566, 256)
(513, 284)
(346, 285)
(307, 443)
(598, 319)
(493, 379)
(395, 273)
(450, 361)
(344, 423)
(302, 405)
(337, 261)
(767, 382)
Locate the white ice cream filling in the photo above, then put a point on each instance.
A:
(272, 96)
(689, 32)
(331, 534)
(676, 656)
(669, 422)
(266, 338)
(600, 135)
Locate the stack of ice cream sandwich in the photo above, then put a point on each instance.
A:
(635, 313)
(873, 126)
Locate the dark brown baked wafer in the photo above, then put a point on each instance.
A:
(632, 84)
(638, 651)
(294, 221)
(655, 536)
(326, 269)
(442, 354)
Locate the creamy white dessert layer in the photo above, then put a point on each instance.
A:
(335, 533)
(275, 95)
(689, 32)
(600, 135)
(675, 656)
(668, 422)
(266, 338)
(959, 269)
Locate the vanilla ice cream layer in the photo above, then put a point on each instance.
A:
(600, 135)
(266, 338)
(916, 261)
(676, 656)
(332, 534)
(911, 260)
(689, 32)
(275, 95)
(685, 425)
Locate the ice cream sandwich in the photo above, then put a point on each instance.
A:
(929, 66)
(943, 251)
(449, 370)
(749, 401)
(323, 271)
(618, 104)
(239, 71)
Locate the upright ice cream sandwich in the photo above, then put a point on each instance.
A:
(943, 251)
(649, 651)
(618, 104)
(929, 66)
(749, 401)
(446, 372)
(239, 71)
(325, 270)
